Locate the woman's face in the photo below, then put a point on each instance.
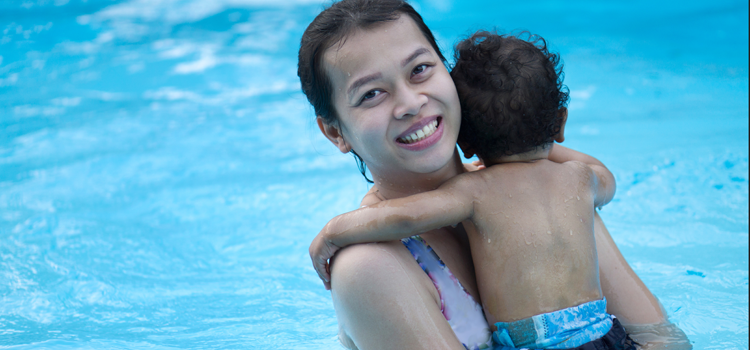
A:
(397, 104)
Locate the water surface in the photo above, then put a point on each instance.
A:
(161, 176)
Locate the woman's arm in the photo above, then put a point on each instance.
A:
(628, 298)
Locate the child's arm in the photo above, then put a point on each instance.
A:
(390, 220)
(603, 180)
(603, 183)
(562, 154)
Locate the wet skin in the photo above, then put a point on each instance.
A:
(382, 298)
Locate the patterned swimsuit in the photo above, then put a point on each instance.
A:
(463, 313)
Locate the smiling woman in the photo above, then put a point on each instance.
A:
(392, 103)
(395, 105)
(380, 103)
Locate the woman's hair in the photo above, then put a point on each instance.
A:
(511, 92)
(332, 26)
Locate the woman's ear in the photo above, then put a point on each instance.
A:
(333, 134)
(560, 137)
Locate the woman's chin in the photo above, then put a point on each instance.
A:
(433, 161)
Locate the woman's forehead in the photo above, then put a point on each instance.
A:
(368, 51)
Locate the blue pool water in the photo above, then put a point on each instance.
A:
(161, 176)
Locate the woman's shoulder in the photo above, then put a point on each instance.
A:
(372, 263)
(383, 299)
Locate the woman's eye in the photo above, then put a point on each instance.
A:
(419, 69)
(370, 95)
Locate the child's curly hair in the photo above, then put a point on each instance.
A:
(511, 92)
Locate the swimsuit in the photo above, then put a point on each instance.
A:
(583, 327)
(460, 310)
(586, 326)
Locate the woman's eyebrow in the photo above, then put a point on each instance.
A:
(366, 79)
(362, 81)
(414, 55)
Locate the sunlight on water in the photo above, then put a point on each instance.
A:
(161, 175)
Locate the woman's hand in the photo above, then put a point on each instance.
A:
(321, 250)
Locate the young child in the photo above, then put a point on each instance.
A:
(529, 220)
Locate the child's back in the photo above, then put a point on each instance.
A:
(533, 243)
(533, 237)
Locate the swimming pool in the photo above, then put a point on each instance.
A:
(161, 176)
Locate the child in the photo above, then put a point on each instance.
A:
(529, 220)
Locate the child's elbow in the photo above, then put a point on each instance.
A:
(610, 185)
(334, 227)
(608, 190)
(605, 185)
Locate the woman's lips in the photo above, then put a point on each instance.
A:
(422, 135)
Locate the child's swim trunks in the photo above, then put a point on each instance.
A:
(464, 315)
(586, 327)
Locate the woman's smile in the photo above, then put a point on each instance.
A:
(422, 134)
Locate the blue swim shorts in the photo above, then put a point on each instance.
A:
(562, 329)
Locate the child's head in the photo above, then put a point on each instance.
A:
(512, 97)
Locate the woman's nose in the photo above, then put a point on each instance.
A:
(408, 103)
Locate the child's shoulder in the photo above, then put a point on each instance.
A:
(576, 165)
(581, 171)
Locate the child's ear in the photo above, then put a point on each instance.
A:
(333, 134)
(563, 112)
(468, 151)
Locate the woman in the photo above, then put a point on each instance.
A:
(374, 74)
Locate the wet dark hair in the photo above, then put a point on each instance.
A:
(511, 92)
(332, 26)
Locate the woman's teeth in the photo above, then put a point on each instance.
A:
(420, 134)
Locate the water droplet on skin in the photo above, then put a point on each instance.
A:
(571, 232)
(510, 195)
(489, 240)
(549, 232)
(579, 198)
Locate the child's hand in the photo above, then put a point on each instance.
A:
(474, 166)
(321, 249)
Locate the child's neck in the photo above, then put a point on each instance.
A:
(539, 153)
